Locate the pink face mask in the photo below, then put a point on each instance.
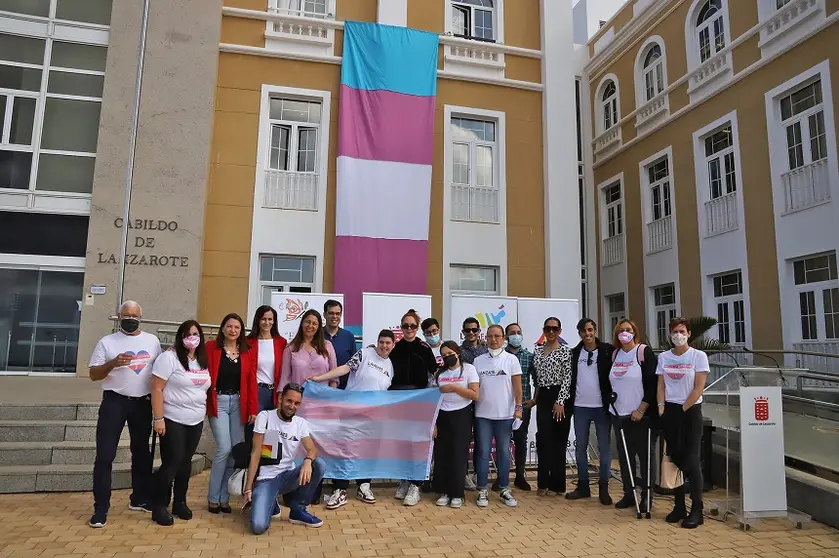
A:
(192, 341)
(626, 337)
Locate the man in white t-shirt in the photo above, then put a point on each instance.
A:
(123, 362)
(280, 438)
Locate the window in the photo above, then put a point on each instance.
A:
(474, 170)
(305, 8)
(731, 314)
(653, 72)
(90, 11)
(614, 210)
(616, 305)
(474, 19)
(664, 310)
(818, 296)
(285, 274)
(659, 176)
(802, 116)
(781, 3)
(473, 279)
(610, 105)
(719, 154)
(710, 29)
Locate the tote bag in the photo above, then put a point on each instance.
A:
(671, 476)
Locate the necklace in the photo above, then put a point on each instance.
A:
(232, 355)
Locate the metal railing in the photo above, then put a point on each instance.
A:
(806, 186)
(291, 190)
(721, 214)
(474, 203)
(659, 235)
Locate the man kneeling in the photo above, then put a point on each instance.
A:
(276, 437)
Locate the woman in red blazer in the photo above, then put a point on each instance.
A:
(231, 403)
(267, 345)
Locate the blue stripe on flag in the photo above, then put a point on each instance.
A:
(390, 58)
(313, 390)
(354, 469)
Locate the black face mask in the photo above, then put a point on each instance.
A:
(129, 325)
(449, 360)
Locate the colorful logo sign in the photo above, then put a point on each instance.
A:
(486, 319)
(397, 333)
(294, 309)
(761, 409)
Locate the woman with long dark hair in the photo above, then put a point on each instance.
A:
(459, 384)
(179, 385)
(309, 353)
(267, 345)
(231, 404)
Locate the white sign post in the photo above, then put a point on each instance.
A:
(383, 311)
(764, 487)
(290, 308)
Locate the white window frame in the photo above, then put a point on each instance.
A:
(614, 212)
(298, 8)
(786, 25)
(609, 107)
(706, 77)
(284, 286)
(613, 220)
(817, 291)
(666, 202)
(731, 304)
(600, 115)
(662, 313)
(694, 36)
(658, 70)
(725, 161)
(612, 317)
(498, 20)
(494, 269)
(703, 192)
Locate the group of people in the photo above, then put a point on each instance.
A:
(250, 386)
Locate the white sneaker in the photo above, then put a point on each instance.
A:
(338, 499)
(457, 503)
(483, 498)
(402, 491)
(413, 496)
(365, 493)
(507, 498)
(470, 484)
(443, 500)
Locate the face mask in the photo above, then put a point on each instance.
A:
(515, 341)
(449, 360)
(495, 352)
(191, 341)
(129, 325)
(432, 339)
(679, 339)
(626, 337)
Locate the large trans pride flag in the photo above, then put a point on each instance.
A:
(372, 434)
(385, 151)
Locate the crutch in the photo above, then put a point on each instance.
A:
(649, 514)
(613, 397)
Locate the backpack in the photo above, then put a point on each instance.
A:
(639, 356)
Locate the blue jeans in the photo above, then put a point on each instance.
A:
(228, 431)
(265, 494)
(266, 399)
(500, 430)
(583, 417)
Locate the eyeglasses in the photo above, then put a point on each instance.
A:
(471, 330)
(550, 329)
(409, 326)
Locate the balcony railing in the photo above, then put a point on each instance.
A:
(473, 203)
(659, 235)
(291, 190)
(806, 186)
(300, 25)
(613, 250)
(651, 109)
(788, 17)
(721, 214)
(608, 138)
(709, 71)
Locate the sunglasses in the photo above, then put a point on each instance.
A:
(409, 326)
(590, 359)
(550, 329)
(472, 330)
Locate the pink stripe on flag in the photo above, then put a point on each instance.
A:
(372, 449)
(386, 126)
(380, 265)
(337, 411)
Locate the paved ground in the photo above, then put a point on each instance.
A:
(54, 525)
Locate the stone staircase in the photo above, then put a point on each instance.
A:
(52, 447)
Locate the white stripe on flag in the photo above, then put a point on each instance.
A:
(382, 199)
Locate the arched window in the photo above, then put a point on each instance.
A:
(653, 71)
(710, 29)
(610, 105)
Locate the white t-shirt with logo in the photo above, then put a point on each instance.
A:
(185, 392)
(679, 373)
(496, 391)
(265, 362)
(369, 371)
(458, 377)
(627, 382)
(133, 380)
(277, 432)
(588, 382)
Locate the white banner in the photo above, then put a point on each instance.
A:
(488, 310)
(532, 313)
(762, 450)
(383, 311)
(291, 306)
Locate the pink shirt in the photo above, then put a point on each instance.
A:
(300, 365)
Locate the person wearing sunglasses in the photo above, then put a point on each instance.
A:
(472, 346)
(552, 361)
(591, 361)
(413, 360)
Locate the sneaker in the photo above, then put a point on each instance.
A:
(365, 493)
(277, 512)
(483, 498)
(181, 511)
(457, 503)
(413, 496)
(144, 507)
(470, 484)
(507, 498)
(443, 501)
(338, 499)
(402, 491)
(98, 520)
(302, 517)
(522, 484)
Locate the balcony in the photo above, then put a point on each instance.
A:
(707, 74)
(786, 19)
(647, 112)
(607, 139)
(721, 214)
(613, 250)
(475, 204)
(298, 31)
(291, 190)
(659, 235)
(806, 187)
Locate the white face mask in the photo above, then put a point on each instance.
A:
(679, 339)
(496, 352)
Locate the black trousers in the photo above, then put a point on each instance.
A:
(177, 447)
(114, 412)
(639, 454)
(551, 441)
(682, 431)
(344, 484)
(451, 451)
(520, 441)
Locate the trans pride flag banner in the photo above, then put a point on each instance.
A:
(385, 151)
(372, 434)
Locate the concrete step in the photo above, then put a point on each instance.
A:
(50, 431)
(49, 411)
(56, 453)
(68, 478)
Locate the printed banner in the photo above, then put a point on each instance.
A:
(291, 306)
(764, 487)
(384, 311)
(488, 310)
(372, 434)
(533, 311)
